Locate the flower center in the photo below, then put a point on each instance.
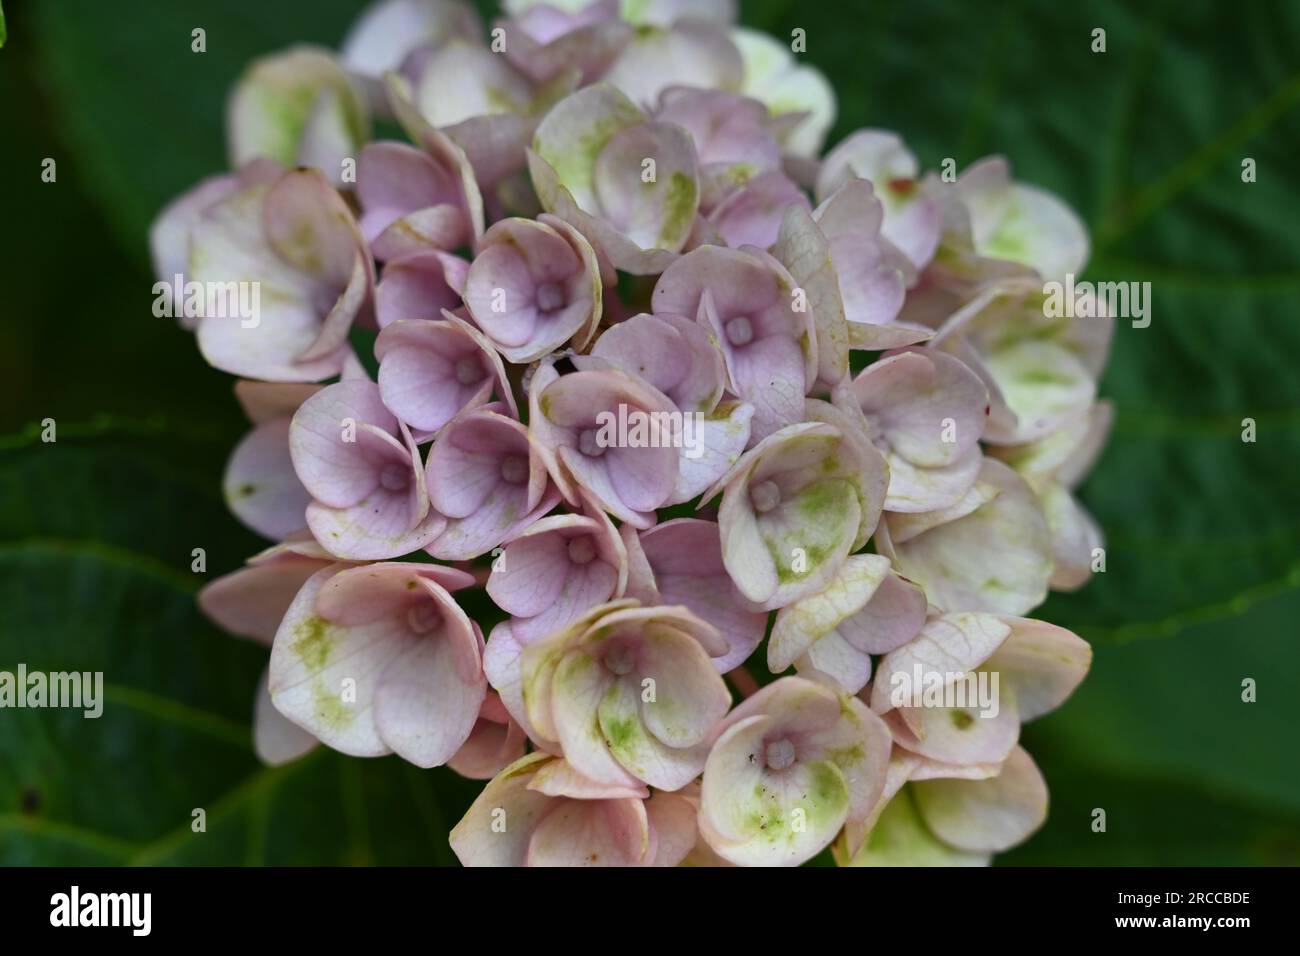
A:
(550, 296)
(620, 659)
(423, 617)
(395, 477)
(764, 496)
(589, 443)
(581, 550)
(780, 754)
(740, 331)
(514, 469)
(469, 369)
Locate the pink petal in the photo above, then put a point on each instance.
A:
(479, 839)
(419, 285)
(591, 833)
(252, 601)
(424, 711)
(276, 740)
(986, 815)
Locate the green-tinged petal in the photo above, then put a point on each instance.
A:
(900, 838)
(641, 753)
(989, 815)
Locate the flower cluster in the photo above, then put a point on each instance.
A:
(610, 348)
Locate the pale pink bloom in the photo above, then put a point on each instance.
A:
(959, 281)
(674, 353)
(388, 31)
(689, 52)
(590, 163)
(656, 13)
(544, 41)
(734, 141)
(751, 214)
(926, 412)
(1041, 371)
(1038, 665)
(495, 742)
(429, 372)
(412, 201)
(292, 239)
(913, 215)
(555, 570)
(796, 504)
(680, 562)
(686, 803)
(573, 420)
(481, 102)
(502, 666)
(942, 815)
(865, 609)
(793, 763)
(260, 486)
(419, 285)
(799, 96)
(681, 359)
(990, 551)
(872, 272)
(533, 286)
(363, 471)
(251, 603)
(540, 812)
(169, 234)
(1024, 224)
(298, 107)
(628, 693)
(749, 301)
(1054, 465)
(379, 658)
(804, 250)
(485, 477)
(417, 197)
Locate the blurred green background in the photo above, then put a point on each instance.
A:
(1202, 587)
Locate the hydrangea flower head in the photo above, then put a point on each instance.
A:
(604, 357)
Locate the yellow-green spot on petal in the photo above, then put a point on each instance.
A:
(1011, 238)
(768, 818)
(619, 732)
(301, 248)
(845, 756)
(680, 204)
(330, 708)
(827, 785)
(312, 641)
